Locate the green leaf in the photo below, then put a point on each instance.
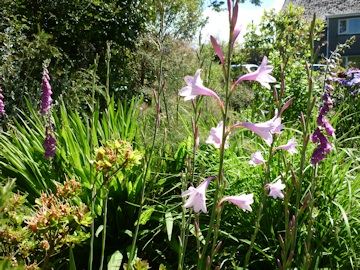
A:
(128, 232)
(169, 220)
(162, 267)
(145, 216)
(72, 265)
(348, 229)
(99, 230)
(115, 261)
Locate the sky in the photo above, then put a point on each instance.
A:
(218, 23)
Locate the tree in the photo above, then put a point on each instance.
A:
(216, 4)
(284, 39)
(81, 28)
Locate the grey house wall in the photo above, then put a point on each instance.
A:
(332, 11)
(334, 38)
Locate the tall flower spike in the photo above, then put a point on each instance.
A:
(216, 135)
(261, 75)
(197, 196)
(196, 88)
(243, 201)
(46, 95)
(2, 105)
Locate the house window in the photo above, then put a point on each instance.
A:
(349, 26)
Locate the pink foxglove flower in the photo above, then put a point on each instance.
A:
(290, 146)
(196, 88)
(243, 201)
(275, 189)
(266, 129)
(46, 95)
(318, 155)
(197, 196)
(2, 105)
(216, 135)
(261, 75)
(317, 136)
(49, 144)
(328, 127)
(256, 158)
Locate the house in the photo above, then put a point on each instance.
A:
(341, 27)
(343, 21)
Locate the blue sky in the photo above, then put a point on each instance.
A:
(218, 21)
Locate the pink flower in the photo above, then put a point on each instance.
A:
(289, 146)
(49, 144)
(235, 25)
(2, 105)
(266, 129)
(46, 99)
(243, 201)
(197, 196)
(275, 189)
(256, 158)
(216, 135)
(261, 75)
(317, 136)
(196, 88)
(218, 50)
(318, 155)
(328, 127)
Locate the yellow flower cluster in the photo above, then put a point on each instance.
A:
(115, 155)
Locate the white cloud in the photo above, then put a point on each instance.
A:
(218, 23)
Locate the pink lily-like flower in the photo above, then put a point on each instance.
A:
(275, 189)
(266, 129)
(197, 196)
(261, 75)
(243, 201)
(218, 50)
(196, 88)
(235, 25)
(290, 146)
(256, 158)
(216, 135)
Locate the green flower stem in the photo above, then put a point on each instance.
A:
(103, 242)
(184, 230)
(310, 233)
(147, 165)
(143, 188)
(185, 224)
(220, 186)
(92, 178)
(305, 126)
(261, 206)
(197, 221)
(107, 60)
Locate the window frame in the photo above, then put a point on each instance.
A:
(346, 32)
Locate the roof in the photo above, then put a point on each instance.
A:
(326, 8)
